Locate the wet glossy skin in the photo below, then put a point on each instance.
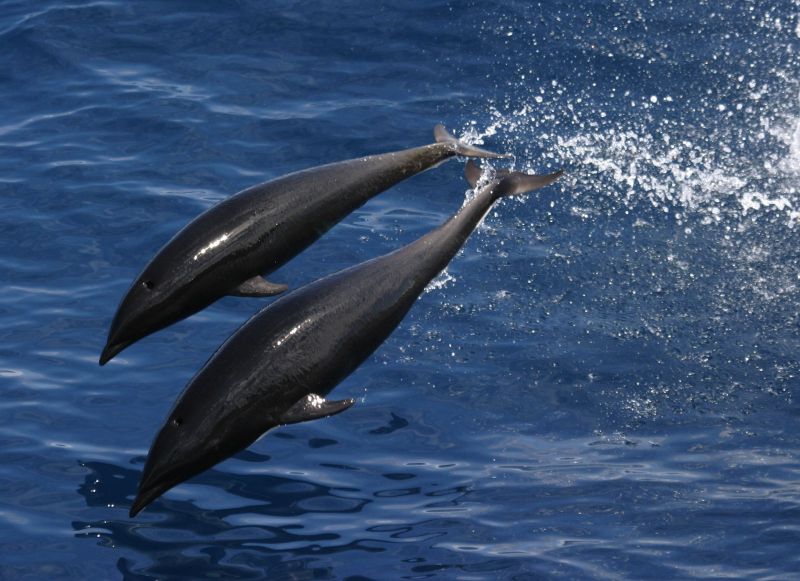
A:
(306, 342)
(253, 233)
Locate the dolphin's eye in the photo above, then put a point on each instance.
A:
(148, 284)
(177, 422)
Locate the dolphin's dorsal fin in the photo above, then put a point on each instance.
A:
(258, 287)
(313, 407)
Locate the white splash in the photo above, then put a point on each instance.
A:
(441, 280)
(668, 164)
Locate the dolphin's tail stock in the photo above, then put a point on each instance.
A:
(511, 183)
(442, 135)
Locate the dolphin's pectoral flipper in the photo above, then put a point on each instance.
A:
(259, 287)
(313, 407)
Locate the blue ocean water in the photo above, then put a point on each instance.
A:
(602, 385)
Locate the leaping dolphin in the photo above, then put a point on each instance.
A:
(227, 248)
(278, 367)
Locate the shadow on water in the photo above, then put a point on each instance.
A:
(323, 524)
(179, 538)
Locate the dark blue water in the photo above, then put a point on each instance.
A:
(603, 385)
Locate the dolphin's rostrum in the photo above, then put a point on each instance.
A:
(227, 248)
(277, 368)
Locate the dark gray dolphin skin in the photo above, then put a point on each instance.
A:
(277, 368)
(226, 249)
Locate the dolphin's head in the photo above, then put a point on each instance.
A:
(176, 455)
(156, 299)
(196, 435)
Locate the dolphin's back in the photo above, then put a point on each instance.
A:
(305, 342)
(268, 223)
(228, 248)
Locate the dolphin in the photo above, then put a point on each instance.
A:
(227, 248)
(278, 367)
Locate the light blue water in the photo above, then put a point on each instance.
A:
(604, 384)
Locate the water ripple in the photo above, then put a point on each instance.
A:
(604, 388)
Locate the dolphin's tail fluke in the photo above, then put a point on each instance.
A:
(511, 183)
(442, 135)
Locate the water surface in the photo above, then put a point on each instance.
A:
(603, 385)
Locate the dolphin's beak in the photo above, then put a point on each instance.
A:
(111, 349)
(152, 486)
(144, 497)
